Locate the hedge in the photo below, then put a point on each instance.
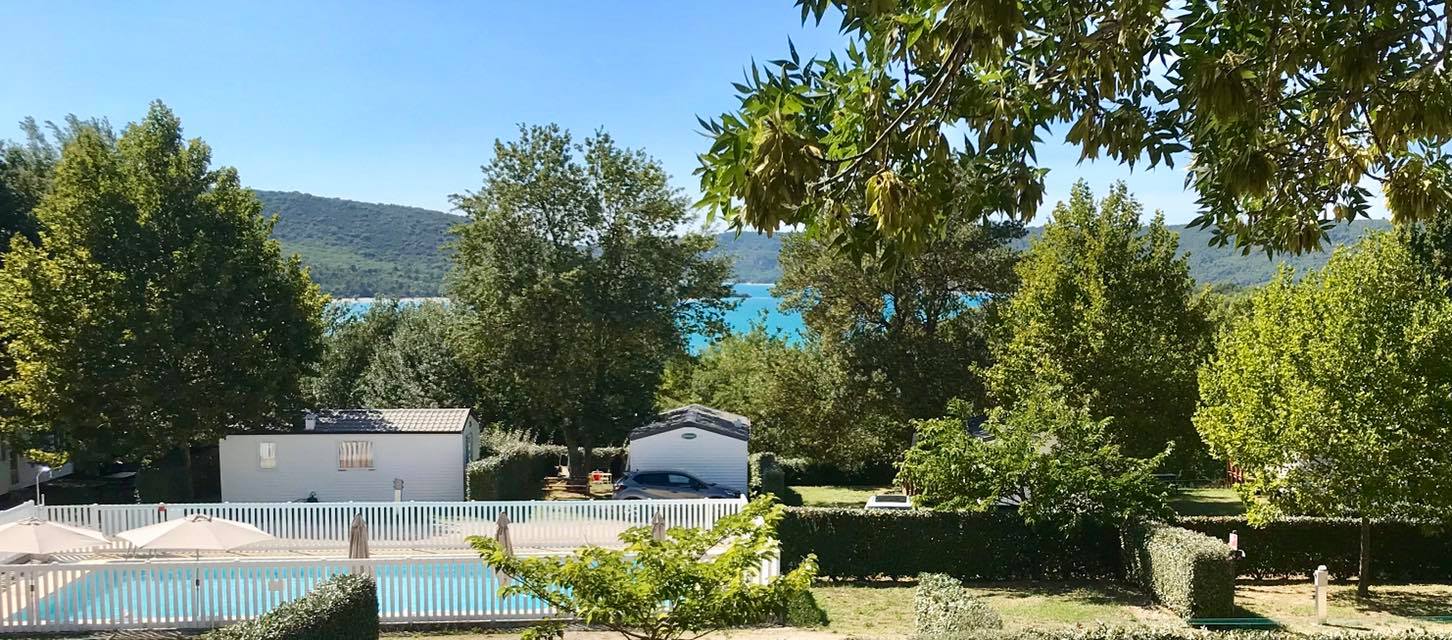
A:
(343, 607)
(802, 610)
(1174, 633)
(1189, 572)
(518, 472)
(997, 545)
(942, 608)
(1401, 551)
(806, 472)
(765, 475)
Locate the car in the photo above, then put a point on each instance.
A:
(667, 483)
(889, 501)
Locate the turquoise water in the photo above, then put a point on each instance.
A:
(755, 304)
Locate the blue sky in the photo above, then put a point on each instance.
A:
(401, 102)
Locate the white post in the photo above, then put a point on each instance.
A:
(1322, 580)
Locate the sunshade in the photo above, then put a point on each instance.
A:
(42, 537)
(195, 533)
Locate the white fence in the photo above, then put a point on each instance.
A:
(409, 525)
(179, 594)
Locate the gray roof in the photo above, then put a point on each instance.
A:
(700, 417)
(391, 421)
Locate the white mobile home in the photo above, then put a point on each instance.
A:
(707, 443)
(353, 454)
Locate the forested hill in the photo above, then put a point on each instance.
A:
(756, 255)
(361, 249)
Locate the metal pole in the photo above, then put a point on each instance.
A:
(38, 474)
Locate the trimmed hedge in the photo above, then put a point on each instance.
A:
(998, 545)
(943, 608)
(803, 611)
(806, 472)
(1174, 633)
(343, 607)
(1187, 571)
(1401, 551)
(765, 475)
(518, 472)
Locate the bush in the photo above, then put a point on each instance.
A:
(766, 475)
(805, 472)
(1173, 633)
(1294, 547)
(1187, 571)
(942, 607)
(997, 545)
(802, 610)
(343, 607)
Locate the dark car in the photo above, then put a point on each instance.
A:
(647, 485)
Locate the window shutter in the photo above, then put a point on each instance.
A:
(267, 455)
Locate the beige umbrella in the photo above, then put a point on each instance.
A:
(42, 537)
(358, 542)
(501, 536)
(195, 533)
(657, 526)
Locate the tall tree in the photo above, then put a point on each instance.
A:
(1284, 112)
(419, 364)
(350, 342)
(1334, 395)
(1431, 243)
(26, 170)
(1108, 313)
(576, 285)
(159, 313)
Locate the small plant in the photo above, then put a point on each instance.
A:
(690, 583)
(942, 606)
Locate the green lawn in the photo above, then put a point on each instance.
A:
(1390, 608)
(1207, 502)
(838, 495)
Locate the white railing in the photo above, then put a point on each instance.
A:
(414, 525)
(178, 594)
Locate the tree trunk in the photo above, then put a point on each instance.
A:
(572, 451)
(587, 455)
(188, 487)
(1363, 574)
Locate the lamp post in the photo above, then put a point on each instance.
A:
(43, 470)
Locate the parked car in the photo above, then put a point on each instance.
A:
(889, 501)
(646, 485)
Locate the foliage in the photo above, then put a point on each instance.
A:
(363, 249)
(576, 286)
(942, 607)
(1108, 313)
(765, 475)
(991, 546)
(27, 169)
(349, 344)
(1189, 572)
(1430, 242)
(343, 607)
(1293, 547)
(1286, 114)
(1056, 464)
(157, 313)
(691, 582)
(1164, 632)
(803, 611)
(514, 466)
(806, 471)
(419, 365)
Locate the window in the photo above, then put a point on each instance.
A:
(355, 454)
(652, 479)
(679, 480)
(267, 455)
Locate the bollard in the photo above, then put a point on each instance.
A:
(1322, 580)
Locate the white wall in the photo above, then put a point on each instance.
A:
(430, 464)
(709, 456)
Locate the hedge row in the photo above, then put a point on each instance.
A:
(343, 607)
(998, 545)
(1400, 551)
(518, 472)
(942, 607)
(1187, 571)
(806, 472)
(1172, 633)
(765, 475)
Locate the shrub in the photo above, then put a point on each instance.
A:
(802, 610)
(766, 475)
(1187, 571)
(1172, 633)
(343, 607)
(997, 545)
(806, 472)
(942, 607)
(1294, 547)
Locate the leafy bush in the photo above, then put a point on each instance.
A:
(807, 472)
(1294, 547)
(766, 475)
(941, 607)
(994, 545)
(343, 607)
(1169, 633)
(1187, 571)
(802, 610)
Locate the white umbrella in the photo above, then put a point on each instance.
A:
(42, 537)
(195, 533)
(501, 535)
(358, 538)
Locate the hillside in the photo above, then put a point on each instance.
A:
(361, 249)
(756, 255)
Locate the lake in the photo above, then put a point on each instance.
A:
(754, 304)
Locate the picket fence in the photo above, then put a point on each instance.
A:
(539, 524)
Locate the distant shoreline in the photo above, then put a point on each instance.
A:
(373, 300)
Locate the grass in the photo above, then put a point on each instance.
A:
(1389, 608)
(1207, 502)
(838, 495)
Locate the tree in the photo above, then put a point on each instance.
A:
(349, 345)
(1430, 242)
(918, 327)
(157, 313)
(1332, 394)
(1108, 313)
(576, 286)
(1284, 111)
(26, 170)
(693, 582)
(418, 365)
(1056, 463)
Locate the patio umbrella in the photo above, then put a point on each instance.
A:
(657, 526)
(501, 536)
(197, 533)
(358, 538)
(42, 537)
